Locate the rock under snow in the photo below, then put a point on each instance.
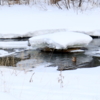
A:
(60, 40)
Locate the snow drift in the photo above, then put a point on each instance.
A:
(94, 33)
(61, 40)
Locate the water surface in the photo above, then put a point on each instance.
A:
(63, 61)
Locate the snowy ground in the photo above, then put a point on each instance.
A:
(43, 83)
(25, 21)
(49, 84)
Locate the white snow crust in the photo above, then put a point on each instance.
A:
(45, 83)
(94, 33)
(3, 52)
(14, 44)
(25, 21)
(60, 40)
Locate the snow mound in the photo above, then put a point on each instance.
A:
(60, 40)
(94, 33)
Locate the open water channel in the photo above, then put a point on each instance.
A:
(63, 61)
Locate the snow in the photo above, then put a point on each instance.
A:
(95, 53)
(60, 40)
(6, 96)
(77, 50)
(3, 52)
(94, 33)
(49, 84)
(25, 21)
(46, 83)
(14, 44)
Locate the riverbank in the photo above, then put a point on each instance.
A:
(49, 84)
(26, 21)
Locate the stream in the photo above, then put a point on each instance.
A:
(63, 61)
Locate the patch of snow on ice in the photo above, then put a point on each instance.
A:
(14, 44)
(4, 53)
(94, 33)
(77, 51)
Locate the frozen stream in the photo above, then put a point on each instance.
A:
(63, 61)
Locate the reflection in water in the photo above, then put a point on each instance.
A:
(9, 61)
(64, 61)
(92, 63)
(61, 60)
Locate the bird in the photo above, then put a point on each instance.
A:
(74, 59)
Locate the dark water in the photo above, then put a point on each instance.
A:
(15, 39)
(63, 61)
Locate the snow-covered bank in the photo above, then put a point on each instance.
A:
(23, 21)
(49, 84)
(61, 40)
